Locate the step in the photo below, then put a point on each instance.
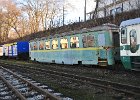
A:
(103, 64)
(136, 63)
(136, 69)
(102, 61)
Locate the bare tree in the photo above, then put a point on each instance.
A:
(14, 14)
(30, 16)
(39, 11)
(137, 4)
(8, 11)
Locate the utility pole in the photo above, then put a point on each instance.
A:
(46, 22)
(85, 11)
(114, 15)
(63, 15)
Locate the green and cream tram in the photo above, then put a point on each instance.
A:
(130, 43)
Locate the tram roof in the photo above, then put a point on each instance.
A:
(103, 27)
(130, 22)
(106, 26)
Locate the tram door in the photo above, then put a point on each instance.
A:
(116, 45)
(102, 57)
(124, 42)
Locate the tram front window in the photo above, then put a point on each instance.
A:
(133, 41)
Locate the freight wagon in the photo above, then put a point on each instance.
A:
(19, 50)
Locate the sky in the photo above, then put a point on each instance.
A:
(77, 10)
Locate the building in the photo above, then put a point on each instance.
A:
(112, 7)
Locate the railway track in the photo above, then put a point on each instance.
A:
(6, 93)
(23, 88)
(125, 88)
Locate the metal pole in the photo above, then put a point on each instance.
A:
(85, 12)
(46, 22)
(63, 15)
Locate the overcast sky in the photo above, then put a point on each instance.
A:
(78, 9)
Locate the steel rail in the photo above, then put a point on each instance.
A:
(133, 90)
(39, 89)
(18, 94)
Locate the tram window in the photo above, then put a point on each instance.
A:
(74, 42)
(123, 36)
(47, 45)
(88, 41)
(35, 45)
(133, 37)
(54, 44)
(101, 39)
(14, 49)
(64, 43)
(85, 41)
(133, 41)
(31, 46)
(41, 45)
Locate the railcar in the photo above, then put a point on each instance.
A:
(130, 43)
(19, 50)
(1, 51)
(23, 50)
(7, 50)
(95, 46)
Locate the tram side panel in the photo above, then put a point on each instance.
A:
(69, 55)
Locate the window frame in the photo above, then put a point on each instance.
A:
(40, 42)
(57, 47)
(125, 30)
(101, 39)
(64, 43)
(133, 44)
(87, 41)
(35, 44)
(31, 46)
(76, 44)
(49, 45)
